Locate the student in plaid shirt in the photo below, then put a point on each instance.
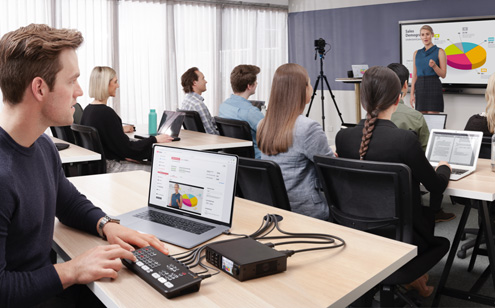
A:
(194, 84)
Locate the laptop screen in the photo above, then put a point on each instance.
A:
(171, 123)
(455, 147)
(193, 183)
(435, 121)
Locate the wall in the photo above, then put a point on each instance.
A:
(366, 31)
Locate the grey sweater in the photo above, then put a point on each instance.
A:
(299, 171)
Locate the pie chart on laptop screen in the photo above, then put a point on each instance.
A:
(465, 56)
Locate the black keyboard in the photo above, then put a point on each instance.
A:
(458, 171)
(175, 222)
(164, 273)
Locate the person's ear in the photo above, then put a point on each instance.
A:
(39, 88)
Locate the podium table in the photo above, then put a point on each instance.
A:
(357, 90)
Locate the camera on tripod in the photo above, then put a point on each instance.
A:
(320, 45)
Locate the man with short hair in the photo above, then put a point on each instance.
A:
(411, 119)
(237, 107)
(38, 79)
(194, 84)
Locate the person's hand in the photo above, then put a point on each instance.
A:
(96, 263)
(125, 237)
(162, 138)
(432, 63)
(412, 100)
(128, 128)
(443, 163)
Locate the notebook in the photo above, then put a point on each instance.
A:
(459, 148)
(435, 121)
(170, 124)
(203, 206)
(358, 70)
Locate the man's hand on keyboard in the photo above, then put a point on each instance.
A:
(442, 163)
(126, 238)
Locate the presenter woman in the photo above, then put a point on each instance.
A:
(378, 139)
(176, 198)
(430, 63)
(291, 140)
(122, 154)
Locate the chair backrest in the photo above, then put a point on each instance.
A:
(236, 129)
(486, 147)
(78, 113)
(88, 137)
(367, 195)
(192, 121)
(261, 181)
(63, 132)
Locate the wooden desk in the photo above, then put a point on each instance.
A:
(480, 188)
(357, 93)
(201, 141)
(75, 154)
(333, 277)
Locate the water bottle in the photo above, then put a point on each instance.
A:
(152, 122)
(493, 153)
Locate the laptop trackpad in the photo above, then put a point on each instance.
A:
(160, 231)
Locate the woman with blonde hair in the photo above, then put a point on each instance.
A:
(429, 63)
(122, 153)
(291, 140)
(485, 121)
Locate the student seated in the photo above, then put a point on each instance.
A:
(237, 106)
(411, 119)
(122, 153)
(485, 121)
(194, 84)
(291, 140)
(378, 139)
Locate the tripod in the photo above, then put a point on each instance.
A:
(322, 78)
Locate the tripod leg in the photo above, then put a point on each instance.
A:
(313, 96)
(333, 98)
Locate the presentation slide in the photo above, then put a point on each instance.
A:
(468, 44)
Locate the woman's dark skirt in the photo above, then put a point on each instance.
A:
(429, 96)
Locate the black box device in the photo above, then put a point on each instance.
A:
(245, 258)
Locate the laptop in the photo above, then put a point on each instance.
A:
(170, 124)
(459, 148)
(435, 121)
(191, 196)
(358, 70)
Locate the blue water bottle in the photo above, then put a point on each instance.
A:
(152, 122)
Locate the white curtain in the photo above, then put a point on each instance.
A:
(151, 43)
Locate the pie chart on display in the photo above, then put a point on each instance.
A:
(465, 56)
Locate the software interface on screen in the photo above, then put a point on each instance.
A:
(453, 148)
(205, 182)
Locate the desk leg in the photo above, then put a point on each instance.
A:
(485, 216)
(452, 253)
(357, 90)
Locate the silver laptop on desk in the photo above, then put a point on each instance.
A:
(203, 206)
(358, 70)
(435, 121)
(459, 148)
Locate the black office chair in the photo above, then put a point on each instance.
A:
(192, 121)
(376, 197)
(261, 181)
(78, 113)
(63, 132)
(236, 129)
(88, 137)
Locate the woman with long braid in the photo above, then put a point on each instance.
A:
(378, 139)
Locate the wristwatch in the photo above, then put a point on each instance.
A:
(103, 222)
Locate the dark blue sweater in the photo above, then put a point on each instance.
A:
(33, 190)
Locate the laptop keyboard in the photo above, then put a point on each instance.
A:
(458, 171)
(175, 222)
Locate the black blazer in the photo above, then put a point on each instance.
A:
(391, 144)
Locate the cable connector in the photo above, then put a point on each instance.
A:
(271, 245)
(288, 253)
(203, 277)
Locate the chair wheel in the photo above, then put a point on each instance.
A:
(461, 254)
